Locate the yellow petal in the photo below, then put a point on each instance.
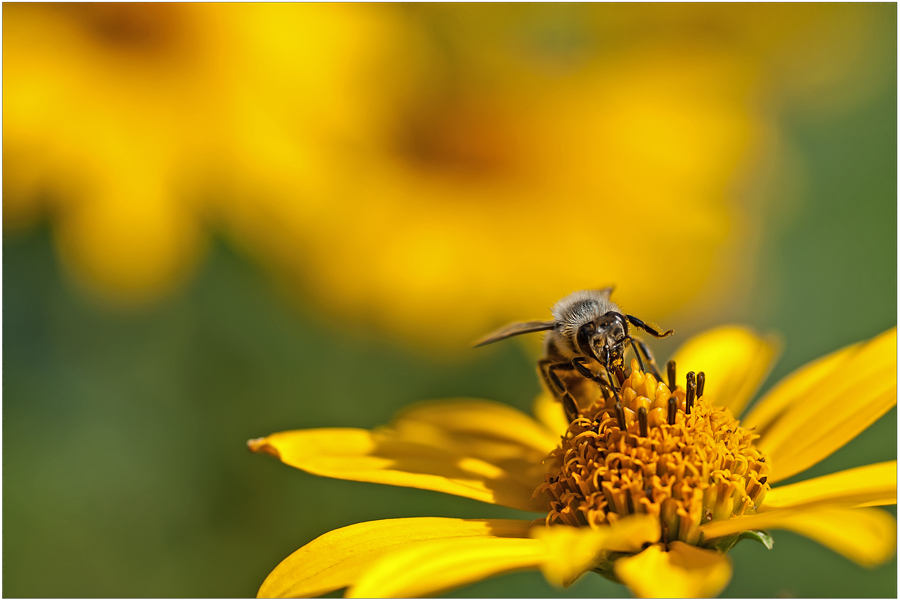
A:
(793, 388)
(574, 550)
(494, 432)
(336, 559)
(571, 551)
(735, 360)
(361, 455)
(550, 412)
(861, 387)
(562, 553)
(629, 534)
(484, 418)
(428, 568)
(869, 485)
(683, 572)
(865, 535)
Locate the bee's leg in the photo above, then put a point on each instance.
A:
(605, 386)
(569, 406)
(638, 323)
(555, 385)
(648, 355)
(637, 353)
(548, 370)
(611, 373)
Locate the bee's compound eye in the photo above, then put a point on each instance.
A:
(586, 339)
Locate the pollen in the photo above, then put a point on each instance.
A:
(655, 450)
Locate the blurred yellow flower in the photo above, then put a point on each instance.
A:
(393, 163)
(654, 501)
(125, 120)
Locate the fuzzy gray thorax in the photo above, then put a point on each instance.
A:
(579, 308)
(573, 312)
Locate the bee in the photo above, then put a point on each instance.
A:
(585, 343)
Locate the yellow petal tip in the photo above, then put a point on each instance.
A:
(262, 446)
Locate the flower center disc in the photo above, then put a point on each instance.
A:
(659, 452)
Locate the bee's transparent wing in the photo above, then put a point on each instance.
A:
(515, 329)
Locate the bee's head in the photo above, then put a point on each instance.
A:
(606, 331)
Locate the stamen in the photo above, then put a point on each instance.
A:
(620, 415)
(670, 369)
(634, 453)
(691, 392)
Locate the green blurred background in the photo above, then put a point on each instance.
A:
(124, 424)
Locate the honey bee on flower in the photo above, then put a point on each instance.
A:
(585, 342)
(655, 507)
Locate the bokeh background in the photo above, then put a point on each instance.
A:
(222, 221)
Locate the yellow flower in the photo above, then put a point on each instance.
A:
(651, 493)
(304, 132)
(134, 127)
